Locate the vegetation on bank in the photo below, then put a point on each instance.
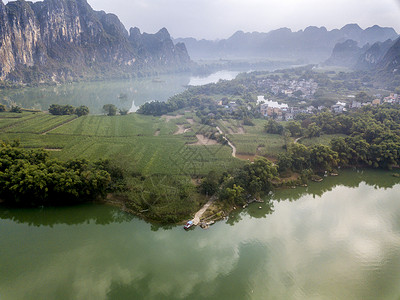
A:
(31, 178)
(162, 171)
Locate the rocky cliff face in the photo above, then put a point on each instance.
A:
(66, 39)
(367, 58)
(372, 57)
(346, 54)
(390, 63)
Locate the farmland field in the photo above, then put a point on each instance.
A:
(252, 140)
(324, 139)
(131, 139)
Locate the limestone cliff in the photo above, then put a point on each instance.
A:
(66, 39)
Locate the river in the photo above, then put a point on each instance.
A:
(125, 94)
(339, 239)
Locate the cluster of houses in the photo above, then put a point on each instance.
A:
(391, 99)
(280, 111)
(289, 87)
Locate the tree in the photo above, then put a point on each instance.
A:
(363, 97)
(55, 109)
(31, 178)
(313, 130)
(110, 109)
(67, 110)
(294, 128)
(209, 185)
(234, 194)
(273, 127)
(16, 109)
(300, 157)
(323, 158)
(82, 110)
(285, 162)
(298, 93)
(123, 112)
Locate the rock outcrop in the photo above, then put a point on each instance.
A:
(390, 63)
(66, 39)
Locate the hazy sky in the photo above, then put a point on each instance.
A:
(214, 19)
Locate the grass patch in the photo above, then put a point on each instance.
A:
(324, 139)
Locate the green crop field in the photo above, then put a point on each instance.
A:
(10, 119)
(131, 139)
(260, 144)
(41, 123)
(252, 140)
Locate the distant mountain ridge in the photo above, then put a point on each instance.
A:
(66, 39)
(313, 44)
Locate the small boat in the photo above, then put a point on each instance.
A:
(188, 225)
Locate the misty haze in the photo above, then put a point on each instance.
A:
(199, 149)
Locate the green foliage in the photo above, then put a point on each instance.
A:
(30, 178)
(248, 122)
(252, 180)
(273, 127)
(165, 199)
(82, 111)
(363, 97)
(323, 158)
(110, 109)
(210, 184)
(123, 112)
(300, 157)
(295, 129)
(2, 108)
(285, 162)
(16, 109)
(313, 130)
(56, 109)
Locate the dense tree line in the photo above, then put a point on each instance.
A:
(372, 139)
(31, 178)
(62, 110)
(239, 186)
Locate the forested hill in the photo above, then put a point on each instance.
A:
(312, 45)
(62, 40)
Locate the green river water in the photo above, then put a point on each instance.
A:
(125, 94)
(339, 239)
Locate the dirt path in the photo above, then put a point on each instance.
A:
(297, 140)
(203, 141)
(181, 129)
(199, 214)
(229, 142)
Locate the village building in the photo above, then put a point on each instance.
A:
(270, 108)
(339, 107)
(376, 102)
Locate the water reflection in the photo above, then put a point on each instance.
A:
(344, 244)
(82, 214)
(213, 78)
(379, 179)
(125, 94)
